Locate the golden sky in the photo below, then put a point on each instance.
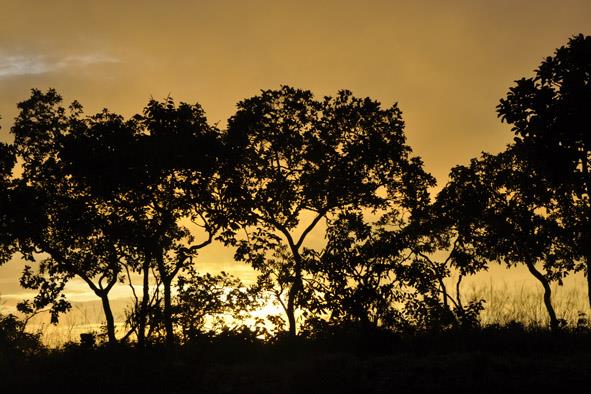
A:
(447, 63)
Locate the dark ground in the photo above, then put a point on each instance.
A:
(493, 361)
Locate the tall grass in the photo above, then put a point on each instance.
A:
(504, 304)
(523, 304)
(82, 318)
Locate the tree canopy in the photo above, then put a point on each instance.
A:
(322, 196)
(301, 155)
(7, 160)
(550, 117)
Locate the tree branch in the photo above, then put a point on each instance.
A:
(311, 226)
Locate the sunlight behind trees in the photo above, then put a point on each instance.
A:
(132, 202)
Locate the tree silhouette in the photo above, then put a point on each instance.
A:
(550, 117)
(76, 228)
(503, 212)
(14, 340)
(162, 174)
(441, 246)
(207, 304)
(303, 160)
(7, 161)
(369, 276)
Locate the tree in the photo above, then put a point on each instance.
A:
(500, 210)
(7, 160)
(440, 247)
(550, 117)
(369, 276)
(163, 175)
(303, 160)
(78, 230)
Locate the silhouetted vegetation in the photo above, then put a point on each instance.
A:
(326, 201)
(550, 117)
(328, 158)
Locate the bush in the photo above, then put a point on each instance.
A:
(15, 341)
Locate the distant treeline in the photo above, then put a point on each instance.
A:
(108, 199)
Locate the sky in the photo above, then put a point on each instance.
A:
(446, 63)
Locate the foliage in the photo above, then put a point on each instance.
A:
(214, 303)
(77, 229)
(117, 192)
(304, 160)
(7, 215)
(550, 118)
(14, 340)
(360, 279)
(510, 217)
(105, 198)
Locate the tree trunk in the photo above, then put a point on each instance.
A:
(109, 318)
(547, 295)
(588, 272)
(168, 312)
(143, 312)
(291, 304)
(459, 293)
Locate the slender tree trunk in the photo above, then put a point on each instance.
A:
(166, 283)
(547, 295)
(443, 291)
(459, 293)
(291, 304)
(588, 273)
(143, 312)
(109, 318)
(587, 236)
(168, 312)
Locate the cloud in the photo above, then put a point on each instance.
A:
(18, 65)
